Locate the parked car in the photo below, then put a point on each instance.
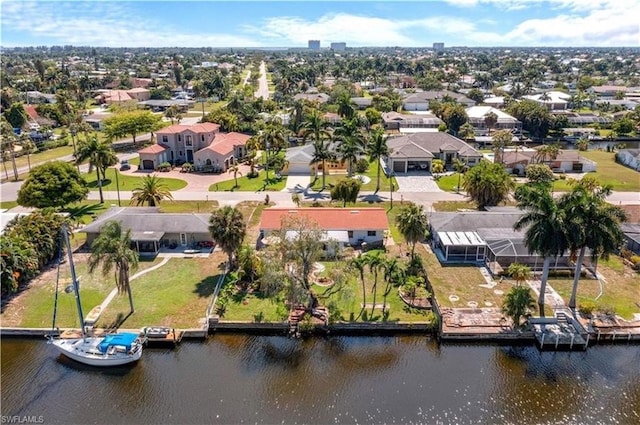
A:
(124, 165)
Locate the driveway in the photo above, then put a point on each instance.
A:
(297, 183)
(416, 181)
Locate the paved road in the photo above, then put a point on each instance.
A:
(263, 86)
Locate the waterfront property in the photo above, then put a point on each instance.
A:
(152, 230)
(420, 101)
(346, 226)
(567, 161)
(486, 238)
(410, 123)
(416, 152)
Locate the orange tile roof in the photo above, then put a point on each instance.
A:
(328, 218)
(205, 127)
(31, 111)
(153, 149)
(224, 142)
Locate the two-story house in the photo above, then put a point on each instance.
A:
(201, 145)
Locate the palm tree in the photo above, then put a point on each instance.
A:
(501, 139)
(459, 165)
(28, 147)
(273, 137)
(235, 169)
(358, 264)
(314, 127)
(490, 120)
(152, 190)
(112, 249)
(377, 149)
(321, 153)
(517, 303)
(393, 275)
(351, 142)
(346, 107)
(413, 224)
(100, 156)
(546, 232)
(594, 224)
(519, 272)
(228, 229)
(466, 131)
(375, 262)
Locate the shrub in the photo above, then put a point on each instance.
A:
(165, 166)
(586, 308)
(362, 165)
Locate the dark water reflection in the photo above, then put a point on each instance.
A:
(252, 379)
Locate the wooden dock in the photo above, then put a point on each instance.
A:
(162, 336)
(561, 332)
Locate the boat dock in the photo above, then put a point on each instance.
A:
(561, 332)
(161, 336)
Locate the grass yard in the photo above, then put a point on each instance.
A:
(347, 301)
(462, 281)
(332, 179)
(33, 307)
(43, 156)
(620, 291)
(177, 294)
(7, 205)
(127, 182)
(246, 184)
(622, 178)
(454, 206)
(449, 182)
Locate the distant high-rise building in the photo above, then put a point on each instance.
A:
(314, 44)
(438, 47)
(339, 46)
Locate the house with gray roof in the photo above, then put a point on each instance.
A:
(485, 238)
(420, 101)
(152, 231)
(629, 157)
(417, 151)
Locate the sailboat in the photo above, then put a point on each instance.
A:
(109, 350)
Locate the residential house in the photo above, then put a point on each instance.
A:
(161, 105)
(415, 152)
(477, 118)
(96, 120)
(552, 100)
(629, 157)
(420, 101)
(485, 238)
(37, 97)
(200, 144)
(405, 123)
(312, 95)
(345, 226)
(567, 161)
(152, 231)
(298, 161)
(362, 102)
(607, 91)
(631, 228)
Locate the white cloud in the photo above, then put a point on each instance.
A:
(104, 24)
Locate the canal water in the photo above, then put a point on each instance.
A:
(237, 379)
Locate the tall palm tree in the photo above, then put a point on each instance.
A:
(593, 224)
(377, 149)
(546, 232)
(314, 127)
(112, 249)
(393, 275)
(375, 262)
(28, 147)
(413, 224)
(151, 190)
(100, 156)
(351, 142)
(228, 229)
(321, 154)
(346, 108)
(235, 169)
(358, 265)
(272, 138)
(459, 165)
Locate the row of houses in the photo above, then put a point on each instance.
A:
(484, 238)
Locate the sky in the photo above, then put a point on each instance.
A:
(472, 23)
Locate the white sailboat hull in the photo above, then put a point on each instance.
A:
(86, 351)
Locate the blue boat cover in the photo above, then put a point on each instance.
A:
(124, 339)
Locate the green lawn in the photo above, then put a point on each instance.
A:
(7, 205)
(371, 173)
(622, 178)
(34, 306)
(620, 290)
(449, 182)
(188, 206)
(454, 206)
(250, 185)
(127, 182)
(43, 156)
(347, 301)
(177, 294)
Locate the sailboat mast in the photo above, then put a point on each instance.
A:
(74, 279)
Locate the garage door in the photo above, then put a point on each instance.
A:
(299, 168)
(147, 164)
(398, 167)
